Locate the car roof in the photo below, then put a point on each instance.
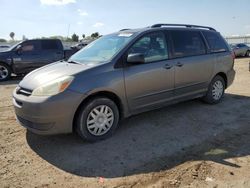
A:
(159, 27)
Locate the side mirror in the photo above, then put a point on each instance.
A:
(136, 58)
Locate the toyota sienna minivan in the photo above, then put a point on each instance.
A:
(122, 74)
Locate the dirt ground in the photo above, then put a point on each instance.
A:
(190, 144)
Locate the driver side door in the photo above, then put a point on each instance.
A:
(27, 57)
(148, 85)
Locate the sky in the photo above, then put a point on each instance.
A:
(44, 18)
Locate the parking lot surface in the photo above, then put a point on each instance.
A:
(190, 144)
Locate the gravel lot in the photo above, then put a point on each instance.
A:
(190, 144)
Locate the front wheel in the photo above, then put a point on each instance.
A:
(215, 91)
(97, 119)
(5, 72)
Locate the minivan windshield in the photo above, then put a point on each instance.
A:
(103, 49)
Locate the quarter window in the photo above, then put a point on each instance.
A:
(187, 43)
(215, 42)
(152, 46)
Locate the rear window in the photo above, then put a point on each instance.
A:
(187, 43)
(49, 45)
(215, 42)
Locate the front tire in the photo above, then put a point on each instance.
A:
(5, 72)
(215, 91)
(97, 119)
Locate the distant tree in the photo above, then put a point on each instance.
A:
(3, 40)
(95, 35)
(75, 37)
(12, 35)
(83, 36)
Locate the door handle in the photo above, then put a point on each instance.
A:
(167, 66)
(179, 64)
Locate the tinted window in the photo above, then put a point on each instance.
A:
(241, 45)
(152, 46)
(215, 42)
(49, 45)
(187, 43)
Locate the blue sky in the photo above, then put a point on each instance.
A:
(36, 18)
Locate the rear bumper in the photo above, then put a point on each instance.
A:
(230, 77)
(47, 115)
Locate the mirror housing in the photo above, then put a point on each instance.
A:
(136, 58)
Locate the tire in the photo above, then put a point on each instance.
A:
(247, 54)
(5, 72)
(215, 91)
(102, 126)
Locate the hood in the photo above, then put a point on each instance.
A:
(5, 52)
(50, 72)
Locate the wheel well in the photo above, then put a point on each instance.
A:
(10, 67)
(224, 76)
(106, 94)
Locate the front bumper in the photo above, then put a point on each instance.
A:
(47, 115)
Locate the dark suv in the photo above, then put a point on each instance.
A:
(29, 55)
(122, 74)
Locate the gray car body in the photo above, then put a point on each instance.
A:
(134, 88)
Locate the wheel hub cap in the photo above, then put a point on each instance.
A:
(3, 72)
(217, 90)
(100, 120)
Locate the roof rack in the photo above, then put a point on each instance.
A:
(183, 25)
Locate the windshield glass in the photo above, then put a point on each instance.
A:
(103, 49)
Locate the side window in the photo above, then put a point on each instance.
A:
(49, 45)
(152, 46)
(215, 42)
(29, 47)
(187, 43)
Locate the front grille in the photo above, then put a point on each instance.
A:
(23, 91)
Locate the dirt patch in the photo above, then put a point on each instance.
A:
(190, 144)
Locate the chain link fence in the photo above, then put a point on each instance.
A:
(238, 39)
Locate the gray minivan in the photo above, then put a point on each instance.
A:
(122, 74)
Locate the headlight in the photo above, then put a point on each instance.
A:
(54, 87)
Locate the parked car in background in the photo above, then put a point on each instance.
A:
(31, 54)
(240, 49)
(79, 46)
(82, 44)
(123, 74)
(4, 47)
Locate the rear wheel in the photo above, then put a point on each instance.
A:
(97, 119)
(215, 91)
(5, 72)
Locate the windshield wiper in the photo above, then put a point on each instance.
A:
(73, 62)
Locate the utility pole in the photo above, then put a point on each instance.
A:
(68, 31)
